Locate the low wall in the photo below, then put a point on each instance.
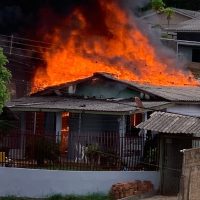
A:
(41, 183)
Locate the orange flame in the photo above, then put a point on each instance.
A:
(125, 51)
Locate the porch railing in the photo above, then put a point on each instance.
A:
(79, 151)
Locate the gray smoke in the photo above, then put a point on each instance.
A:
(135, 5)
(166, 54)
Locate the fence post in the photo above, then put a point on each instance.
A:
(11, 44)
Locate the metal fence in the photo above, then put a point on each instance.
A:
(79, 151)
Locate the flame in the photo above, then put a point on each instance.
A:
(123, 50)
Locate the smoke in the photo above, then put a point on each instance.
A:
(10, 17)
(41, 19)
(137, 3)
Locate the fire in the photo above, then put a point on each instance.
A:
(122, 50)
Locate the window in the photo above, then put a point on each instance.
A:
(195, 55)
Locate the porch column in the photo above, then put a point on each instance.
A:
(23, 132)
(79, 123)
(161, 160)
(122, 130)
(58, 126)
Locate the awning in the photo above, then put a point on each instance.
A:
(164, 122)
(60, 104)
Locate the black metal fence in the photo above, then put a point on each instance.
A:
(79, 151)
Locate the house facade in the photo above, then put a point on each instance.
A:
(98, 113)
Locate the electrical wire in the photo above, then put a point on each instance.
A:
(26, 39)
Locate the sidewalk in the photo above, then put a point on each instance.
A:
(161, 198)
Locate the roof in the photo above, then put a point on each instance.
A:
(171, 123)
(175, 94)
(188, 13)
(192, 25)
(55, 104)
(166, 93)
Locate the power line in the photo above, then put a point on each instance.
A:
(24, 56)
(27, 39)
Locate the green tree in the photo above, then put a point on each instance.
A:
(5, 77)
(168, 12)
(158, 5)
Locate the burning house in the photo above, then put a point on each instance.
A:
(96, 112)
(99, 113)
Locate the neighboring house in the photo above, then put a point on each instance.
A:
(159, 19)
(182, 35)
(176, 132)
(98, 114)
(187, 43)
(188, 40)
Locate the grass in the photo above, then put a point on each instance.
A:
(73, 197)
(60, 197)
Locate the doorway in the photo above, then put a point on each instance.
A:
(172, 163)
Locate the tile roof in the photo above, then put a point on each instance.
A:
(189, 13)
(192, 25)
(171, 123)
(75, 104)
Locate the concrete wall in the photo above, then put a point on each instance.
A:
(41, 183)
(192, 110)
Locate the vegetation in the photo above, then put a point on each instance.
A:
(87, 197)
(169, 12)
(159, 6)
(71, 197)
(41, 149)
(5, 77)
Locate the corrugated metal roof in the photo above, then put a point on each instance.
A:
(170, 93)
(75, 104)
(171, 123)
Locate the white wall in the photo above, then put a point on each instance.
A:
(192, 110)
(41, 183)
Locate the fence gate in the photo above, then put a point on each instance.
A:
(172, 163)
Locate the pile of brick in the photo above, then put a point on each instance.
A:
(121, 190)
